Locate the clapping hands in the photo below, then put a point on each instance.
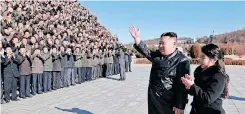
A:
(187, 81)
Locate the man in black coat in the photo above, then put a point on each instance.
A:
(166, 93)
(10, 74)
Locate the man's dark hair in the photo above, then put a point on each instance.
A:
(170, 34)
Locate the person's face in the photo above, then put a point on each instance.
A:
(8, 50)
(22, 51)
(37, 51)
(206, 62)
(6, 31)
(62, 49)
(18, 9)
(33, 40)
(54, 50)
(10, 29)
(27, 34)
(15, 40)
(48, 35)
(77, 50)
(42, 42)
(20, 25)
(45, 50)
(57, 41)
(167, 45)
(59, 36)
(83, 51)
(50, 41)
(24, 41)
(68, 50)
(65, 34)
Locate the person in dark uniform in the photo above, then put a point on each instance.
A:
(114, 62)
(166, 93)
(25, 73)
(63, 63)
(105, 66)
(209, 83)
(69, 68)
(117, 62)
(93, 63)
(56, 60)
(130, 60)
(126, 56)
(10, 74)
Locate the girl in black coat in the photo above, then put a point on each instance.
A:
(209, 84)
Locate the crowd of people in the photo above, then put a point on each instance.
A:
(48, 45)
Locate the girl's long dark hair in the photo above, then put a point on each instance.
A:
(213, 52)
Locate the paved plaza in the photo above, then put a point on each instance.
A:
(110, 96)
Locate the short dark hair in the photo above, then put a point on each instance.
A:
(170, 34)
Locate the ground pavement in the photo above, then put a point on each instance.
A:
(109, 96)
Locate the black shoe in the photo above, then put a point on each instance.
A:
(30, 96)
(24, 97)
(7, 101)
(16, 99)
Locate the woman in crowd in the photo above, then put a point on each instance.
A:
(209, 83)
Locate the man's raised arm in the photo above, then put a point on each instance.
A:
(139, 45)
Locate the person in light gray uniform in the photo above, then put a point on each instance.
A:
(101, 63)
(47, 69)
(110, 61)
(122, 64)
(83, 65)
(97, 62)
(78, 65)
(89, 66)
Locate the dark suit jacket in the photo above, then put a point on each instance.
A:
(10, 67)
